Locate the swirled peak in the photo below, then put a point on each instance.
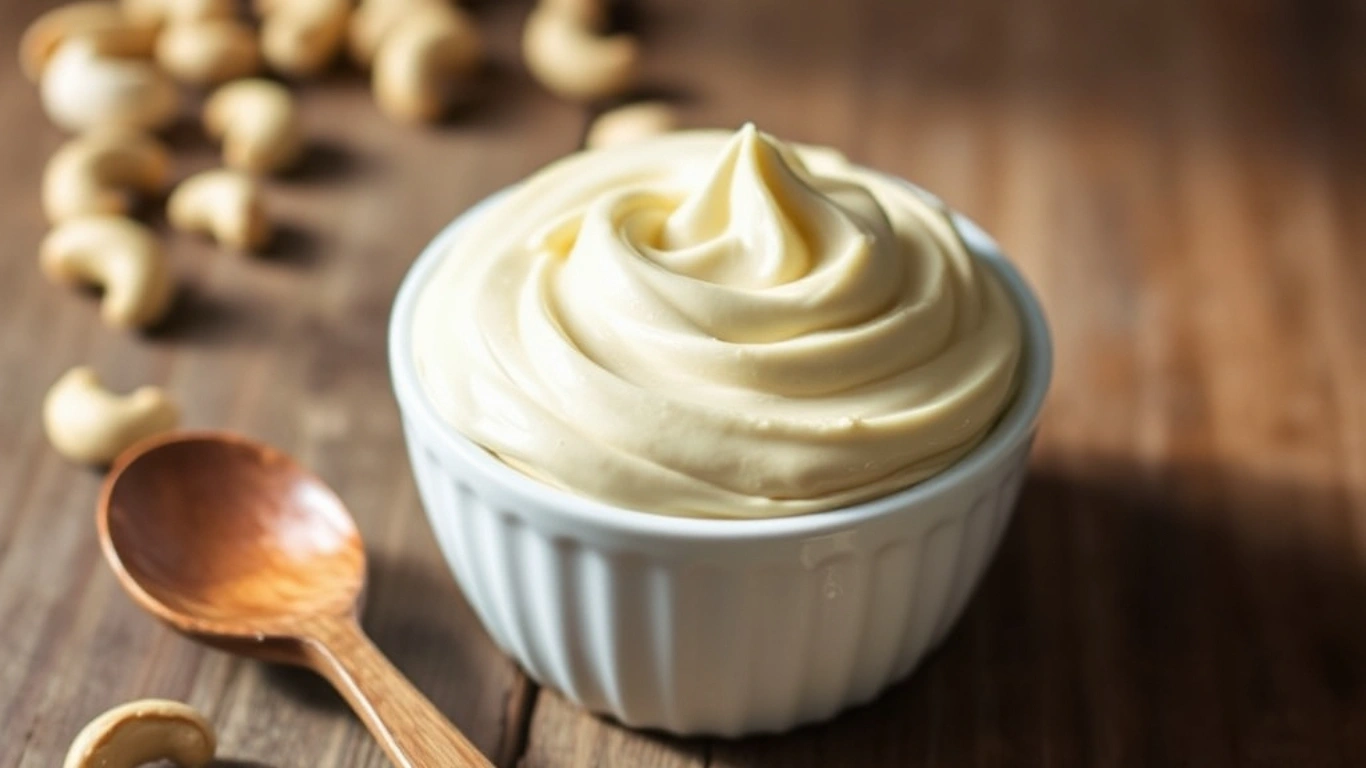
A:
(716, 324)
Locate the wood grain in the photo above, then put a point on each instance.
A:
(408, 728)
(1183, 180)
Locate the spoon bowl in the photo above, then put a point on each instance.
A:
(231, 535)
(234, 544)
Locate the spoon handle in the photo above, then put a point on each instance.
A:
(410, 729)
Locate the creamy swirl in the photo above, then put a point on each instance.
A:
(720, 325)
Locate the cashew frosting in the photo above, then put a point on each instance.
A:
(712, 324)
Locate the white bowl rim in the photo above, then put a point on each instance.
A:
(532, 497)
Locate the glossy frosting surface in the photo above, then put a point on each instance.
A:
(717, 324)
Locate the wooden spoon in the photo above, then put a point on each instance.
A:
(234, 544)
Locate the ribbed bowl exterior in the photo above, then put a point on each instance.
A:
(722, 627)
(751, 637)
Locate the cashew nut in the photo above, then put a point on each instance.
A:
(258, 123)
(574, 62)
(423, 62)
(374, 19)
(631, 123)
(119, 255)
(208, 51)
(95, 173)
(88, 424)
(143, 732)
(90, 83)
(159, 11)
(301, 38)
(92, 18)
(224, 204)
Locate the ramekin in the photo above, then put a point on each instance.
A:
(717, 627)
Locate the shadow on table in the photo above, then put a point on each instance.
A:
(307, 687)
(209, 318)
(292, 246)
(437, 641)
(499, 96)
(325, 161)
(1133, 616)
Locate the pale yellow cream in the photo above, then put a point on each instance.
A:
(720, 325)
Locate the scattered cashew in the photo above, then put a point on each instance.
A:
(573, 61)
(301, 38)
(224, 204)
(374, 19)
(208, 51)
(92, 18)
(160, 11)
(422, 64)
(143, 732)
(119, 255)
(631, 123)
(89, 84)
(88, 424)
(94, 174)
(258, 123)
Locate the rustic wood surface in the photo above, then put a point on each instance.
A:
(1183, 180)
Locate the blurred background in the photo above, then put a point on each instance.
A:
(1184, 182)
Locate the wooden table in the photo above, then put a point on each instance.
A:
(1184, 182)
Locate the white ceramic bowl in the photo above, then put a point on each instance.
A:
(718, 627)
